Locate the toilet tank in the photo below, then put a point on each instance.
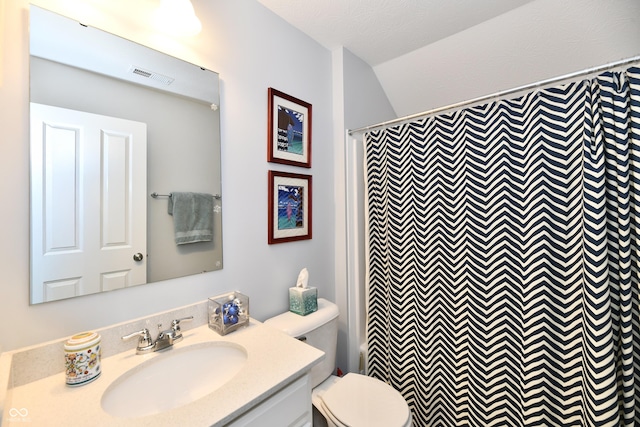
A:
(318, 329)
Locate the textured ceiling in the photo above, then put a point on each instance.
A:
(381, 30)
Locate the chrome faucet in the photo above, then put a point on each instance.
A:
(165, 338)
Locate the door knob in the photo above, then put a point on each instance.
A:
(138, 257)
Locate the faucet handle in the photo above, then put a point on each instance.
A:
(144, 342)
(175, 324)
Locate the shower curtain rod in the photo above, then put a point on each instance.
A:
(539, 84)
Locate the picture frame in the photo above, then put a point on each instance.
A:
(290, 207)
(289, 130)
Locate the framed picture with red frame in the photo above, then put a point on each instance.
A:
(289, 133)
(290, 207)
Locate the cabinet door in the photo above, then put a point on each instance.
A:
(289, 407)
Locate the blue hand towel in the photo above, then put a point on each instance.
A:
(192, 217)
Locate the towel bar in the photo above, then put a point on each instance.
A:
(156, 195)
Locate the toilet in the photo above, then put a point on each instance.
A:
(354, 400)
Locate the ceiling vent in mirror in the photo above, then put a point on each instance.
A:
(151, 75)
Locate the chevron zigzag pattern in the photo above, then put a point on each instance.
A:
(503, 259)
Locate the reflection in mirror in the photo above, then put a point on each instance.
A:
(111, 123)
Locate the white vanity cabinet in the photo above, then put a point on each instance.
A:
(289, 407)
(272, 389)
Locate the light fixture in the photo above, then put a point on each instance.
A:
(178, 18)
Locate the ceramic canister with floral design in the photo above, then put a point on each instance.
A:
(82, 358)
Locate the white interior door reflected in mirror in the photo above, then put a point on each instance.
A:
(88, 173)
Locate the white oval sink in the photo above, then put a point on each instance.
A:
(174, 378)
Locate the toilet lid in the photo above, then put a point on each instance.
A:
(358, 400)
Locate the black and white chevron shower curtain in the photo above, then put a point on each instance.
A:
(503, 259)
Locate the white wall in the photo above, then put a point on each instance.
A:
(252, 49)
(540, 40)
(358, 101)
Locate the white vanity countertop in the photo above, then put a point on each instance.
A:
(273, 360)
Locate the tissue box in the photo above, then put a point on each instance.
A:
(303, 301)
(228, 312)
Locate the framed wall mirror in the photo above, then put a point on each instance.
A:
(116, 129)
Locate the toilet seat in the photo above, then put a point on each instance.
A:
(358, 400)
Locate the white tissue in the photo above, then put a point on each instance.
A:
(303, 279)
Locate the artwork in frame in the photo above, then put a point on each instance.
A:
(290, 203)
(289, 139)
